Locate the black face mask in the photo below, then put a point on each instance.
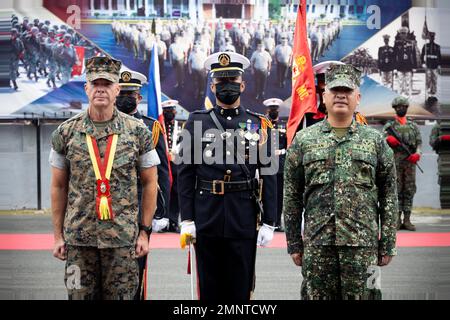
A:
(169, 116)
(273, 115)
(228, 92)
(126, 104)
(401, 112)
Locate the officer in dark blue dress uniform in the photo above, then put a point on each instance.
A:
(172, 129)
(217, 195)
(279, 126)
(127, 101)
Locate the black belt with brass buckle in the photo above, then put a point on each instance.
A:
(220, 186)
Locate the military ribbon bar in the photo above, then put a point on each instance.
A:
(103, 200)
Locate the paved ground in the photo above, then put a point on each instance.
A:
(416, 273)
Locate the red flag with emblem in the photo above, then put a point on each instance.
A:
(303, 85)
(77, 69)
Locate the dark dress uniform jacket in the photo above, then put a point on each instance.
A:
(233, 214)
(431, 55)
(386, 58)
(163, 169)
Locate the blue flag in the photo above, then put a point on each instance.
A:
(154, 108)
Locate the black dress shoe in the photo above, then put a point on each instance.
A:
(173, 227)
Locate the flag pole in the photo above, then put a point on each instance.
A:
(191, 262)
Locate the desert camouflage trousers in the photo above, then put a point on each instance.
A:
(107, 274)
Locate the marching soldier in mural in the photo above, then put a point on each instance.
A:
(315, 42)
(173, 130)
(405, 61)
(403, 136)
(67, 58)
(220, 194)
(177, 58)
(162, 54)
(197, 70)
(283, 59)
(279, 127)
(50, 47)
(431, 60)
(16, 53)
(261, 62)
(386, 59)
(42, 37)
(127, 101)
(96, 158)
(343, 175)
(31, 44)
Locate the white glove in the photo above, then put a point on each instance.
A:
(188, 227)
(265, 235)
(160, 224)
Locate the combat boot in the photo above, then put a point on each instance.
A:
(407, 225)
(15, 85)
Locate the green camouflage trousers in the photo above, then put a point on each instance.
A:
(340, 273)
(406, 184)
(109, 274)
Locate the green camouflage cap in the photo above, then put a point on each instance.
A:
(103, 68)
(400, 101)
(342, 76)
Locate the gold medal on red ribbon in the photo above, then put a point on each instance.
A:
(103, 200)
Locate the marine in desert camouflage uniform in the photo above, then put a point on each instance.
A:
(101, 252)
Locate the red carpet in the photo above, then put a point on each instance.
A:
(171, 241)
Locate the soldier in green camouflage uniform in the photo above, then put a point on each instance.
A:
(101, 253)
(436, 138)
(405, 164)
(342, 174)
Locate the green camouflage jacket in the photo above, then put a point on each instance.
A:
(409, 134)
(347, 187)
(434, 137)
(81, 225)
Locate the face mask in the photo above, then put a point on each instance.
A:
(273, 115)
(169, 116)
(228, 92)
(401, 112)
(126, 104)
